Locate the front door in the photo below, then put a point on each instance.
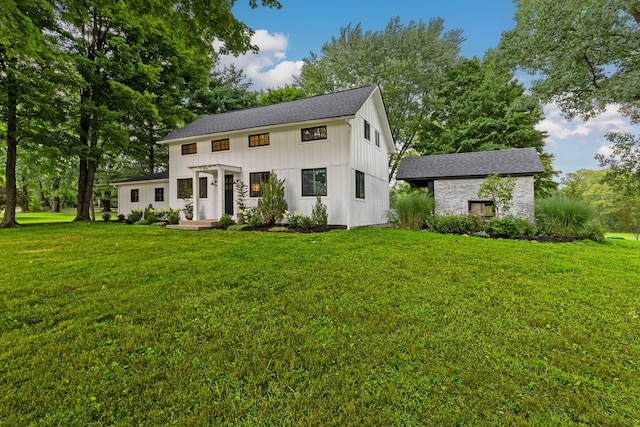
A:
(228, 194)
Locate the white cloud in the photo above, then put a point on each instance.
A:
(606, 150)
(269, 68)
(558, 127)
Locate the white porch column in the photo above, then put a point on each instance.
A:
(196, 192)
(220, 192)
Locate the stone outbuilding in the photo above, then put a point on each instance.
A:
(454, 179)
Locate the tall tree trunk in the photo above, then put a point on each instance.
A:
(105, 202)
(152, 156)
(87, 166)
(55, 199)
(9, 219)
(24, 198)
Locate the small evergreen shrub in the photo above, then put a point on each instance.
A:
(509, 227)
(306, 223)
(135, 215)
(319, 214)
(226, 220)
(272, 204)
(413, 210)
(121, 218)
(106, 217)
(451, 224)
(173, 217)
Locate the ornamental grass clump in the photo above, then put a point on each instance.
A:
(564, 217)
(413, 210)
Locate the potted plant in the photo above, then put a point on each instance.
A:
(188, 209)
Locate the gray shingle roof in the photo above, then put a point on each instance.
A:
(521, 161)
(151, 177)
(332, 105)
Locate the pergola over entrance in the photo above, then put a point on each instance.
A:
(223, 195)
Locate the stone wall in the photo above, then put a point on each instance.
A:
(452, 196)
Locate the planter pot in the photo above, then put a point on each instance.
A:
(188, 215)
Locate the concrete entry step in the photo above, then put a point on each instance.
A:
(202, 224)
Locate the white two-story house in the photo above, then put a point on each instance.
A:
(336, 145)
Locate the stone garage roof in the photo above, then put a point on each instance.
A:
(332, 105)
(517, 162)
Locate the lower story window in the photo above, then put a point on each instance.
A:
(359, 185)
(483, 208)
(185, 188)
(202, 187)
(255, 179)
(314, 182)
(159, 194)
(135, 195)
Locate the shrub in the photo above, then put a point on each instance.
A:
(563, 217)
(509, 227)
(151, 217)
(319, 214)
(452, 224)
(591, 231)
(242, 192)
(135, 215)
(226, 220)
(413, 210)
(173, 217)
(251, 217)
(121, 218)
(141, 222)
(106, 217)
(293, 219)
(306, 223)
(272, 204)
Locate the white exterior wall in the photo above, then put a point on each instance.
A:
(452, 196)
(146, 195)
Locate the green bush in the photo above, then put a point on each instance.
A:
(272, 204)
(173, 217)
(121, 218)
(509, 227)
(251, 217)
(306, 223)
(560, 216)
(226, 220)
(106, 217)
(591, 231)
(452, 224)
(319, 214)
(135, 215)
(141, 222)
(413, 210)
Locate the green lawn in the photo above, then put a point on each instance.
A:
(67, 215)
(626, 236)
(109, 324)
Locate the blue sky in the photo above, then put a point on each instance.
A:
(287, 35)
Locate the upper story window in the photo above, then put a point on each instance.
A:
(314, 182)
(377, 139)
(135, 195)
(259, 140)
(359, 185)
(220, 145)
(367, 131)
(312, 134)
(255, 179)
(159, 194)
(189, 148)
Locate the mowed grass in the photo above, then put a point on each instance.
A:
(27, 218)
(109, 324)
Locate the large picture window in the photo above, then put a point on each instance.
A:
(254, 183)
(185, 188)
(359, 185)
(259, 140)
(159, 194)
(220, 145)
(189, 149)
(135, 195)
(312, 134)
(314, 182)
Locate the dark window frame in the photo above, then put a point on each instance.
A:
(258, 140)
(135, 195)
(255, 179)
(360, 185)
(220, 145)
(485, 205)
(315, 133)
(159, 194)
(377, 135)
(367, 130)
(314, 172)
(184, 190)
(203, 190)
(191, 148)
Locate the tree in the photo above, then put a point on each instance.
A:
(499, 190)
(272, 204)
(592, 187)
(584, 53)
(284, 94)
(409, 62)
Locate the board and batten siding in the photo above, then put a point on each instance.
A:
(452, 196)
(286, 154)
(146, 195)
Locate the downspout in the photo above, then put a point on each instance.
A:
(349, 180)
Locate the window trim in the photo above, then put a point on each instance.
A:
(202, 187)
(367, 130)
(223, 145)
(186, 148)
(311, 135)
(315, 185)
(135, 191)
(360, 185)
(156, 193)
(377, 138)
(178, 188)
(485, 203)
(260, 138)
(264, 176)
